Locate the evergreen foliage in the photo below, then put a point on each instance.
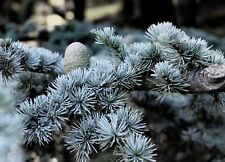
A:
(32, 68)
(95, 99)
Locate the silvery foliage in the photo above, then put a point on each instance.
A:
(16, 58)
(135, 149)
(10, 124)
(32, 68)
(96, 97)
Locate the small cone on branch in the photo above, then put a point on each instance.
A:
(76, 55)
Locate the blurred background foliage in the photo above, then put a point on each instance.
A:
(56, 23)
(175, 130)
(45, 15)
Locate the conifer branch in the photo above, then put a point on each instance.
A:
(171, 62)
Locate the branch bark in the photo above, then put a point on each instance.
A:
(208, 80)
